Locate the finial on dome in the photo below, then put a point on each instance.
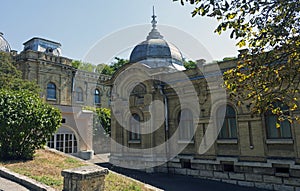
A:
(154, 22)
(154, 34)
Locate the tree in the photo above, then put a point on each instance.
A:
(190, 64)
(268, 72)
(114, 66)
(11, 78)
(102, 119)
(26, 122)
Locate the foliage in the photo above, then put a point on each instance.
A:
(6, 66)
(85, 66)
(100, 68)
(268, 71)
(102, 119)
(26, 122)
(114, 66)
(189, 64)
(11, 78)
(107, 70)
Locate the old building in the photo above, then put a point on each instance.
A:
(157, 125)
(66, 88)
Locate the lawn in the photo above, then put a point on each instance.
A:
(46, 167)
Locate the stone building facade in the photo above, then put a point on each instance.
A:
(247, 150)
(66, 88)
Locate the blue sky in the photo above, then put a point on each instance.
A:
(79, 24)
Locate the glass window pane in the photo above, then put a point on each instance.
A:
(51, 91)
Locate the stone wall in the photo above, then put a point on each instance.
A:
(271, 175)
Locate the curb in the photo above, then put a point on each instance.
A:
(24, 180)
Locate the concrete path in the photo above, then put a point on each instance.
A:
(7, 185)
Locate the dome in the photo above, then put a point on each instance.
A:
(156, 52)
(4, 46)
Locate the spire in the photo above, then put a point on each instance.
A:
(154, 22)
(154, 34)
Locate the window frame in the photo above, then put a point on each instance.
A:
(269, 116)
(135, 126)
(51, 91)
(229, 120)
(79, 94)
(64, 142)
(185, 123)
(97, 97)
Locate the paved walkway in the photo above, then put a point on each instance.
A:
(7, 185)
(171, 182)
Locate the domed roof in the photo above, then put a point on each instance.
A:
(156, 52)
(4, 46)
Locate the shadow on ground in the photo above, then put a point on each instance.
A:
(171, 182)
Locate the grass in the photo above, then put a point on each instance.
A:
(46, 168)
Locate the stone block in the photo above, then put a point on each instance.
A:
(206, 173)
(279, 187)
(174, 165)
(221, 175)
(263, 185)
(243, 169)
(87, 178)
(214, 179)
(180, 171)
(272, 179)
(162, 169)
(266, 171)
(230, 181)
(246, 183)
(292, 181)
(198, 166)
(192, 172)
(295, 173)
(254, 177)
(236, 176)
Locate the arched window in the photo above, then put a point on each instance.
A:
(284, 131)
(138, 93)
(135, 127)
(97, 96)
(79, 94)
(186, 126)
(51, 91)
(64, 142)
(229, 128)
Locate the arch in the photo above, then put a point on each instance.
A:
(97, 96)
(273, 132)
(79, 94)
(64, 140)
(139, 90)
(51, 90)
(229, 125)
(185, 123)
(135, 127)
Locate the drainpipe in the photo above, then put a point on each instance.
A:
(160, 87)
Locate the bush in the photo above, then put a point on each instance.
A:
(26, 122)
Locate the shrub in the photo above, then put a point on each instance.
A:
(26, 122)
